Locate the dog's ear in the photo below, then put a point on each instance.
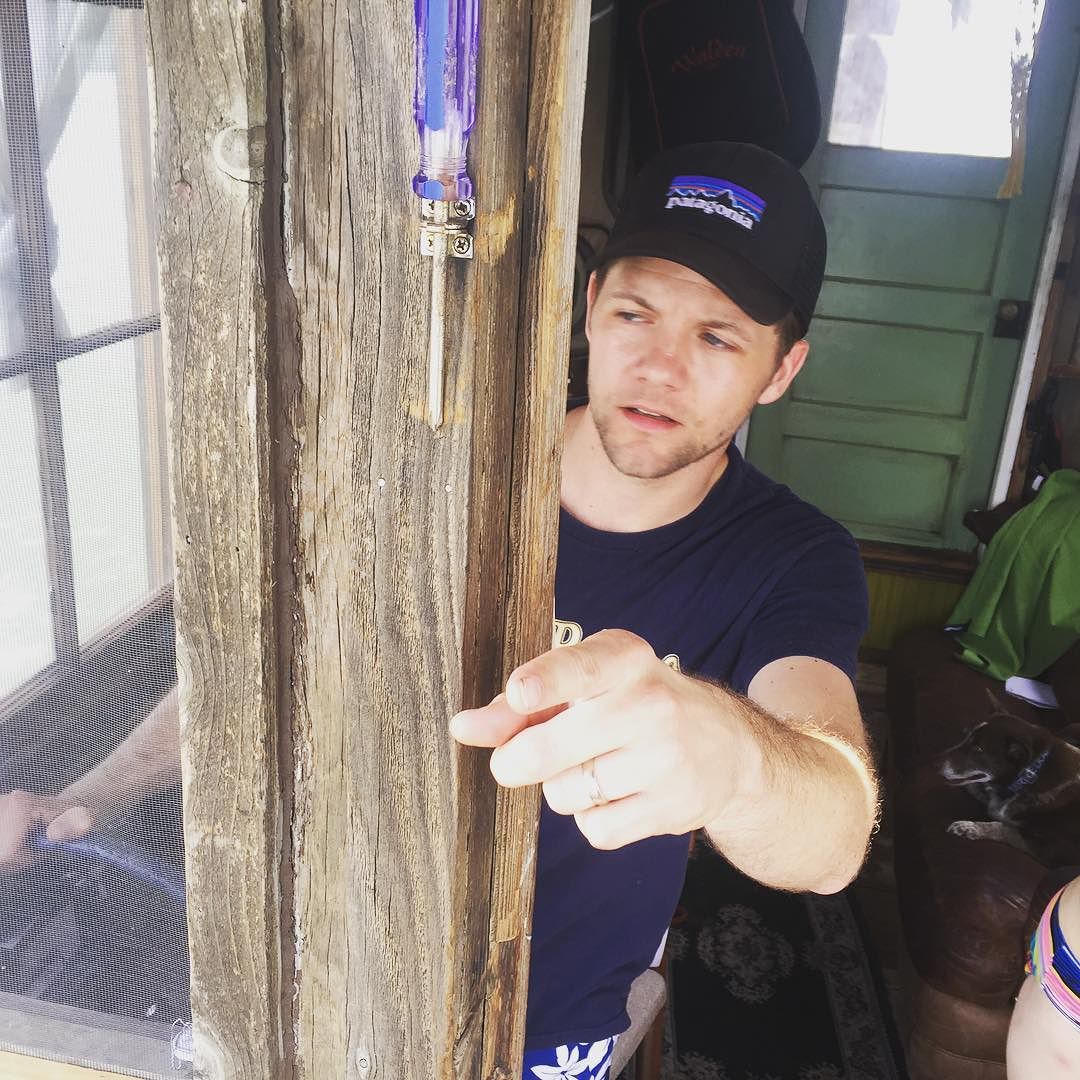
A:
(995, 702)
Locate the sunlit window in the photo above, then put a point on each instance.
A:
(26, 637)
(82, 518)
(929, 75)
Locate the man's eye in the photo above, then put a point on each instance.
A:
(628, 316)
(714, 342)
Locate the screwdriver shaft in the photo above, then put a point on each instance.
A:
(435, 334)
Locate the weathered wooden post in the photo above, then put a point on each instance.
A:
(346, 577)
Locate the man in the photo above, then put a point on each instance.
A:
(672, 546)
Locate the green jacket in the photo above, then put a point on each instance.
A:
(1021, 610)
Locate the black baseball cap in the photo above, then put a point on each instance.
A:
(734, 213)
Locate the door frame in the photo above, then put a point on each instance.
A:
(1044, 281)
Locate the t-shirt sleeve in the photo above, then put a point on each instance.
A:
(819, 607)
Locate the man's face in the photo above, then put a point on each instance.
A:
(675, 366)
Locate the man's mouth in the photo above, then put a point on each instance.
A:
(648, 414)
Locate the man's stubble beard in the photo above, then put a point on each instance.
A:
(683, 456)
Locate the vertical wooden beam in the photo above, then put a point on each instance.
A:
(208, 62)
(352, 577)
(425, 561)
(486, 356)
(556, 68)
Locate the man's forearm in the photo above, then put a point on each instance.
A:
(146, 761)
(804, 808)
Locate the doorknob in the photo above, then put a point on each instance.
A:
(1011, 319)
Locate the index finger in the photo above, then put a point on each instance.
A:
(494, 724)
(595, 666)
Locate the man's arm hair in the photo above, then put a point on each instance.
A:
(808, 796)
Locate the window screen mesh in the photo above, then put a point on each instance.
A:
(93, 950)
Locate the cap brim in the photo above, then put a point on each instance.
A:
(761, 298)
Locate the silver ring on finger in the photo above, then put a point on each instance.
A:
(594, 792)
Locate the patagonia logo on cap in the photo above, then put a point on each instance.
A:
(712, 196)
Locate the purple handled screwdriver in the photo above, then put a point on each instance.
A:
(445, 110)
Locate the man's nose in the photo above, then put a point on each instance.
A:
(660, 363)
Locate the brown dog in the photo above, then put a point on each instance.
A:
(1028, 779)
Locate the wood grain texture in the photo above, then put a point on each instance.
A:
(355, 577)
(412, 542)
(490, 337)
(558, 54)
(379, 560)
(208, 66)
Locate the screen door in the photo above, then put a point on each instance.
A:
(93, 950)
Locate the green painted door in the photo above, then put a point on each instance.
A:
(894, 425)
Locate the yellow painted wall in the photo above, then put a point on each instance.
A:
(900, 602)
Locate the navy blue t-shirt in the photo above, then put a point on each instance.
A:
(752, 575)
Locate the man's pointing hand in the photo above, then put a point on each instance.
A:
(618, 739)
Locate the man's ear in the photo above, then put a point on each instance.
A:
(788, 368)
(590, 300)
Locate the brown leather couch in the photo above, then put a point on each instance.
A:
(967, 906)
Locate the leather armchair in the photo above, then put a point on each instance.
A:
(967, 907)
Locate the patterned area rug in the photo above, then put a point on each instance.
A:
(768, 985)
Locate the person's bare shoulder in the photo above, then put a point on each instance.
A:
(1043, 1043)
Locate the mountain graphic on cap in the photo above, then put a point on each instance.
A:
(738, 215)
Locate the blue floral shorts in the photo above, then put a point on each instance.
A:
(577, 1061)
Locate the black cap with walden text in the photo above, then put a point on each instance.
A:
(734, 213)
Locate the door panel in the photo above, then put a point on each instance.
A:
(930, 308)
(894, 491)
(919, 371)
(893, 426)
(861, 428)
(893, 170)
(891, 238)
